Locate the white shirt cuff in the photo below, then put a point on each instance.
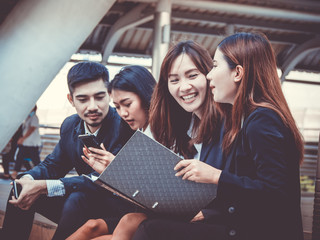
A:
(55, 188)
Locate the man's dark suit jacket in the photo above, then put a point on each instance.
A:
(67, 154)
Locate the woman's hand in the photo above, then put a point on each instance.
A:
(197, 171)
(96, 158)
(198, 217)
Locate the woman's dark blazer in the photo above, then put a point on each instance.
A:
(258, 194)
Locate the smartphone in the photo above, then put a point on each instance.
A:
(16, 189)
(89, 140)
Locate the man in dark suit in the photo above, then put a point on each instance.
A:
(70, 201)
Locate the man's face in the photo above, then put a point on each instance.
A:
(91, 101)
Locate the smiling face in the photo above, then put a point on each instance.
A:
(223, 80)
(130, 108)
(187, 84)
(91, 101)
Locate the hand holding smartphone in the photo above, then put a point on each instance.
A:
(16, 189)
(89, 140)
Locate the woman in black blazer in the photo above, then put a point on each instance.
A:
(258, 187)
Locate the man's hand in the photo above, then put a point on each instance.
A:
(31, 191)
(97, 159)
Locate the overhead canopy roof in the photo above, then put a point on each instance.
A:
(293, 26)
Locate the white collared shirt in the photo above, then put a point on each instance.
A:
(198, 146)
(87, 131)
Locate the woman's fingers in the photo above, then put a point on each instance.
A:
(98, 151)
(102, 146)
(190, 174)
(182, 164)
(183, 167)
(88, 161)
(86, 151)
(191, 170)
(94, 156)
(198, 217)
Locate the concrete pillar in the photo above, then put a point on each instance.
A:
(36, 40)
(161, 35)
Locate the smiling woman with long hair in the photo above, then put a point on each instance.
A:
(258, 186)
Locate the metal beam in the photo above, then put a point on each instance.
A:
(298, 4)
(297, 55)
(132, 19)
(307, 68)
(220, 32)
(251, 10)
(248, 9)
(303, 81)
(242, 21)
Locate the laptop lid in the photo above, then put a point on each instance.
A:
(143, 172)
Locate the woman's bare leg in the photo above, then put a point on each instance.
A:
(103, 237)
(91, 229)
(127, 226)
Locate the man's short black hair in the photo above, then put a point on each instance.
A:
(87, 72)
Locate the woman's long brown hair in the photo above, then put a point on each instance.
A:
(169, 122)
(260, 85)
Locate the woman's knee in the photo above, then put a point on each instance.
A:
(94, 225)
(132, 218)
